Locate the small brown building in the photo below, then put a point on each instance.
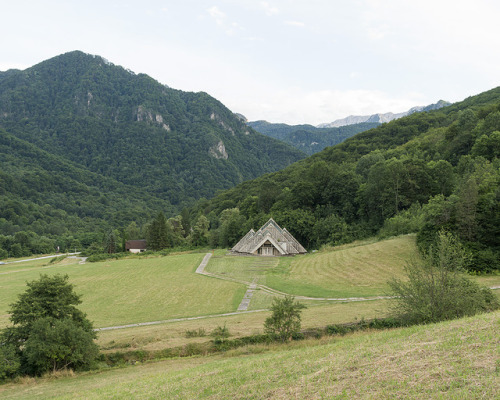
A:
(136, 246)
(270, 240)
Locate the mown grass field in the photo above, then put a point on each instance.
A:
(131, 290)
(355, 270)
(453, 360)
(137, 290)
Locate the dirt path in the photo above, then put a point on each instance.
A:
(166, 321)
(40, 258)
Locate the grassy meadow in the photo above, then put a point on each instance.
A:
(458, 359)
(130, 290)
(137, 289)
(455, 360)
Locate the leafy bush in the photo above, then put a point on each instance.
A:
(437, 287)
(220, 334)
(48, 332)
(285, 320)
(200, 332)
(106, 256)
(56, 260)
(10, 362)
(339, 329)
(57, 344)
(407, 221)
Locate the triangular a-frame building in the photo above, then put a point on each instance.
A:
(270, 240)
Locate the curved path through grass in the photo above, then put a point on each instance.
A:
(252, 286)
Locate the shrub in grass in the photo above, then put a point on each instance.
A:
(55, 260)
(220, 334)
(200, 332)
(285, 320)
(437, 288)
(106, 256)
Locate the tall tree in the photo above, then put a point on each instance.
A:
(158, 233)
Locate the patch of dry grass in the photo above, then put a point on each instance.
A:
(157, 337)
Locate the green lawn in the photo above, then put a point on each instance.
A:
(133, 290)
(452, 360)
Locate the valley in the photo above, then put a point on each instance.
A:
(93, 156)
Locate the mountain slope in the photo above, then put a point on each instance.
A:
(49, 195)
(308, 138)
(178, 146)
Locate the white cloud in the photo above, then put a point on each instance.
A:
(230, 28)
(295, 23)
(268, 9)
(217, 15)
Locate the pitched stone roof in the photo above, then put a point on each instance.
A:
(281, 239)
(136, 244)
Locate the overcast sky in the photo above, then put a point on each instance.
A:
(292, 61)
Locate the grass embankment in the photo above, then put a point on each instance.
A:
(456, 359)
(132, 290)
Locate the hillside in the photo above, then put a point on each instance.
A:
(453, 359)
(175, 145)
(420, 173)
(48, 194)
(308, 138)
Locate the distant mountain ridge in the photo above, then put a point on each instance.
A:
(309, 138)
(382, 118)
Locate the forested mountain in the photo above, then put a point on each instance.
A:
(308, 138)
(87, 146)
(421, 173)
(176, 145)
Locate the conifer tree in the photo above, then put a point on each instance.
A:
(158, 233)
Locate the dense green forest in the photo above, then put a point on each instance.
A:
(422, 173)
(86, 146)
(308, 138)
